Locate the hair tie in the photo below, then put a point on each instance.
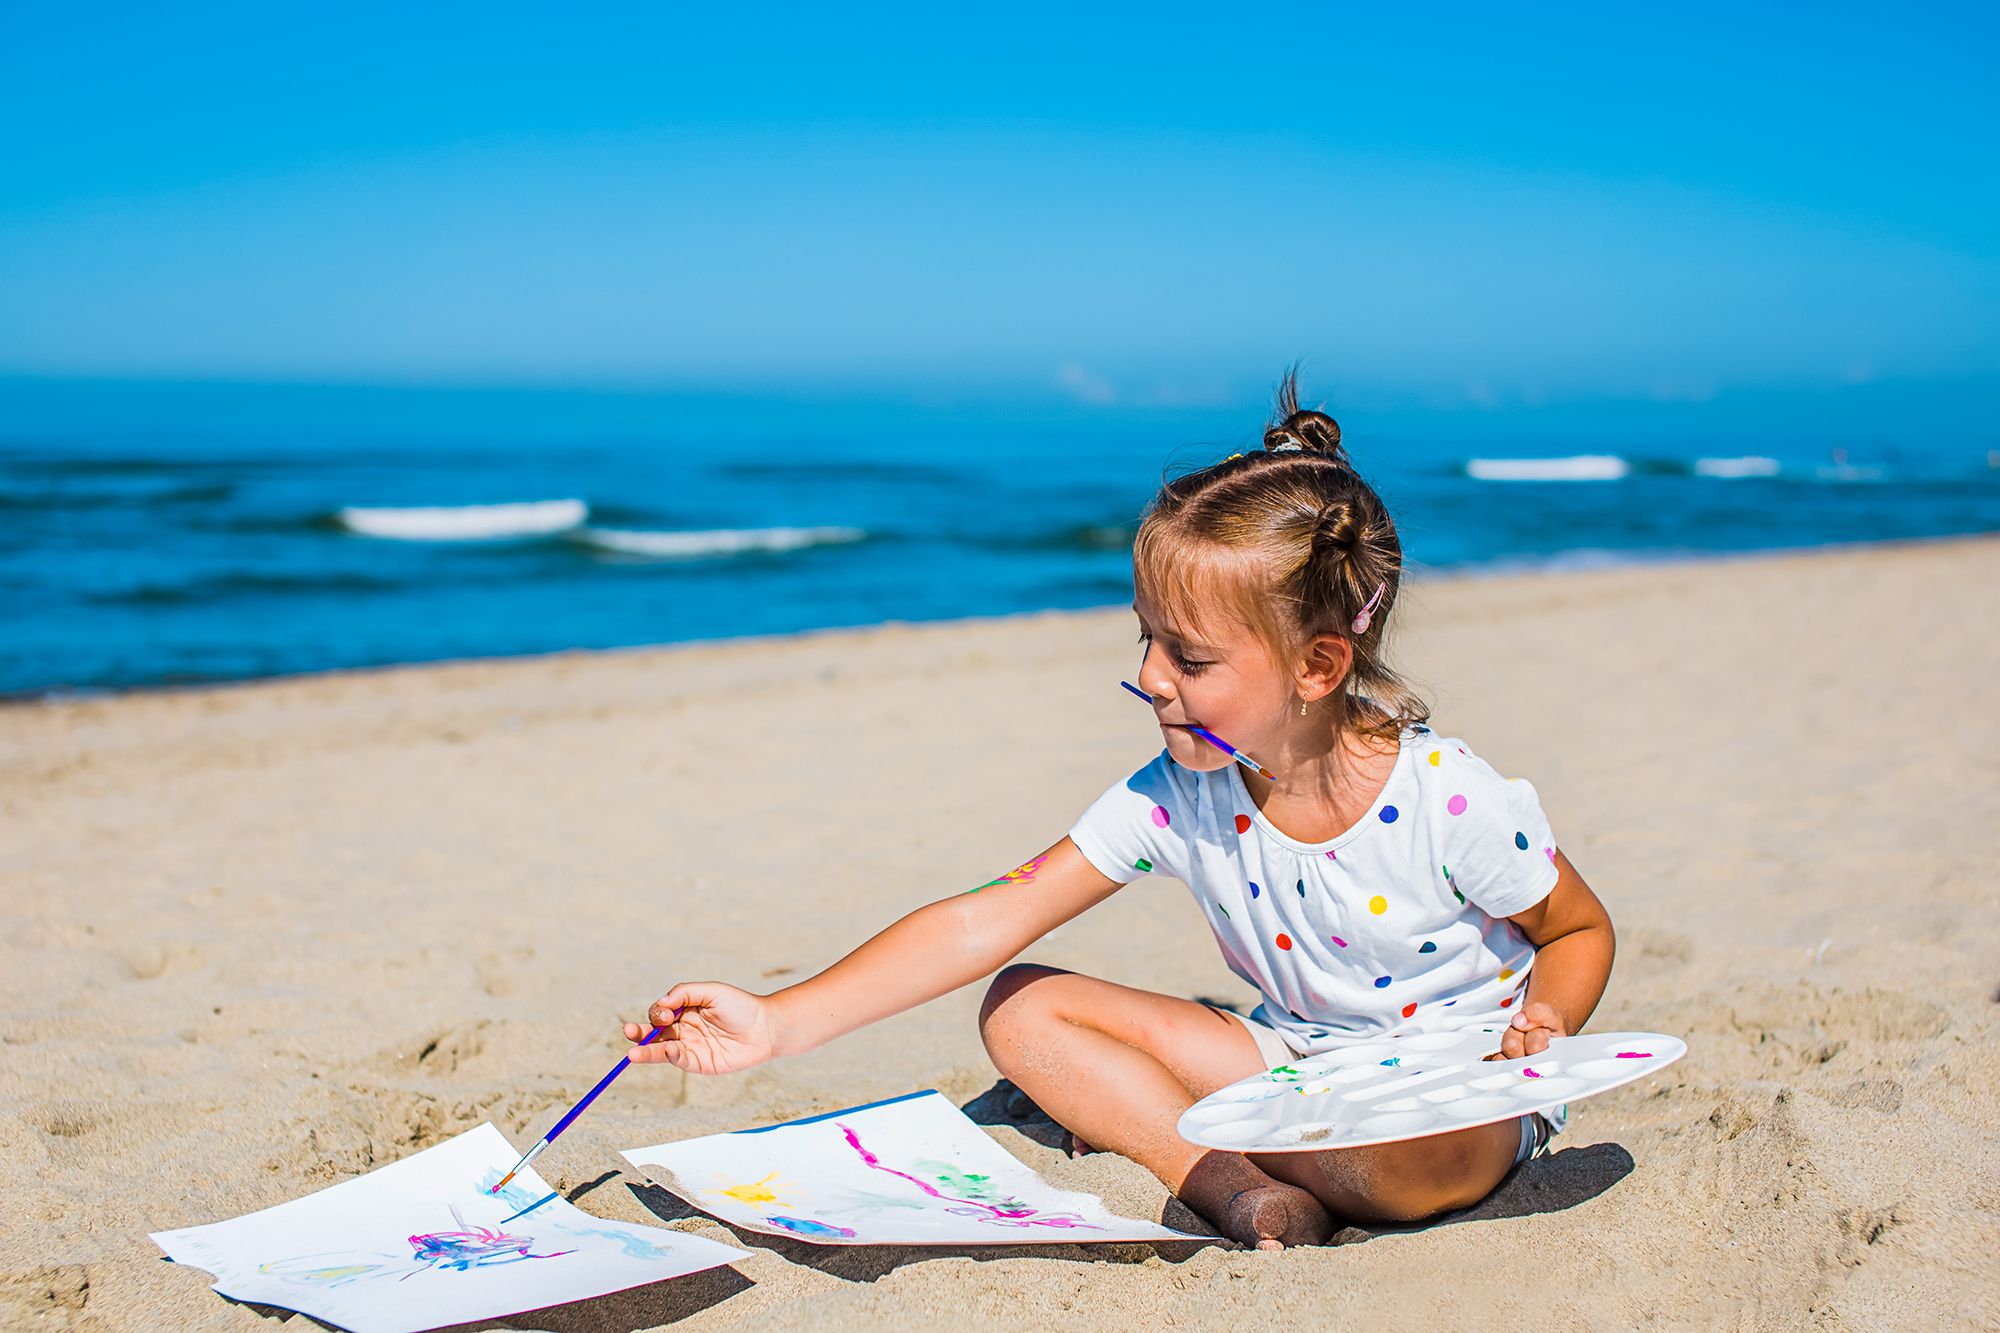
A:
(1288, 447)
(1362, 621)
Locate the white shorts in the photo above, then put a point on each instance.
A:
(1536, 1130)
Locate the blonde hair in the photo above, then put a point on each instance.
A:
(1294, 542)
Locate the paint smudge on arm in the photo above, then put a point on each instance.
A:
(1021, 874)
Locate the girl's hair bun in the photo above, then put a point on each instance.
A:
(1309, 431)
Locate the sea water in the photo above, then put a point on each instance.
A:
(174, 535)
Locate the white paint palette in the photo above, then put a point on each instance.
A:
(1410, 1087)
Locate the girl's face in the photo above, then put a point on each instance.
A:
(1229, 683)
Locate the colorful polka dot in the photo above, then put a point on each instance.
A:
(1521, 841)
(1409, 1010)
(1161, 817)
(1330, 856)
(1506, 1002)
(1381, 982)
(1242, 823)
(1506, 972)
(1254, 890)
(1429, 946)
(1389, 813)
(1302, 888)
(1337, 940)
(1142, 864)
(1224, 910)
(1284, 941)
(1393, 1061)
(1550, 852)
(1437, 757)
(1378, 904)
(1456, 805)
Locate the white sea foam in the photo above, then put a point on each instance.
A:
(1748, 466)
(466, 523)
(1849, 472)
(1580, 467)
(653, 545)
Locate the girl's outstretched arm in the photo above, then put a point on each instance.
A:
(714, 1028)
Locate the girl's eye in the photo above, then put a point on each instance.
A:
(1181, 664)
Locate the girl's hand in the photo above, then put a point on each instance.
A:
(710, 1029)
(1529, 1030)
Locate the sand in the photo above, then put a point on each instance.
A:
(260, 939)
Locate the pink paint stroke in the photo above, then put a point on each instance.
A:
(1005, 1217)
(1633, 1055)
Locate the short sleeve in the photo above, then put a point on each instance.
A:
(1502, 853)
(1139, 826)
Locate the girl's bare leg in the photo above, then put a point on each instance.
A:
(1117, 1066)
(1403, 1182)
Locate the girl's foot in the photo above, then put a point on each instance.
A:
(1248, 1206)
(1276, 1215)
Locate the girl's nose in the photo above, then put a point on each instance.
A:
(1156, 682)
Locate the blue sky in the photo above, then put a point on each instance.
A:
(1476, 210)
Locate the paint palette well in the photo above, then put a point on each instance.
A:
(1411, 1087)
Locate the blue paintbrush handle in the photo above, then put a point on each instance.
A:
(591, 1096)
(1202, 732)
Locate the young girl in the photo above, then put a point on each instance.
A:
(1383, 879)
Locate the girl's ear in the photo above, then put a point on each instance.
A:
(1328, 658)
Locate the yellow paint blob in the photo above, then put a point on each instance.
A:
(757, 1191)
(1378, 904)
(1506, 972)
(1436, 756)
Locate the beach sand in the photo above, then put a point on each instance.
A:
(260, 939)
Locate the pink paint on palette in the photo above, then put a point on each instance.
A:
(1633, 1055)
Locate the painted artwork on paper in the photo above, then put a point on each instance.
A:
(910, 1171)
(423, 1243)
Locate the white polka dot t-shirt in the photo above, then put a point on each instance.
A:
(1396, 925)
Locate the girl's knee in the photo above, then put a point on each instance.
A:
(1009, 999)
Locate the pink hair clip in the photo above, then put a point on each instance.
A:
(1361, 622)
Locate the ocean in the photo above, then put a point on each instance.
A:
(174, 535)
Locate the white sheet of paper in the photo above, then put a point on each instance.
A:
(421, 1243)
(909, 1171)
